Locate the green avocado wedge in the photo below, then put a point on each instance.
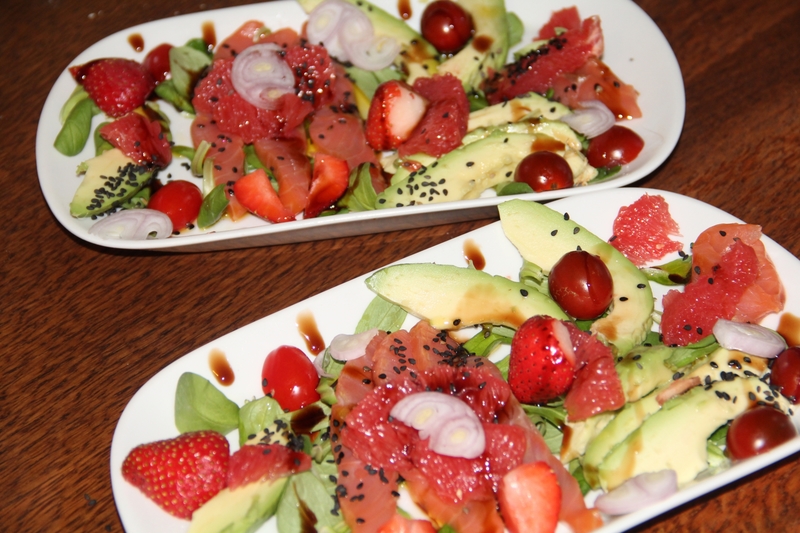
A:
(451, 297)
(543, 236)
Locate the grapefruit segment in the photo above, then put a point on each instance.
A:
(767, 294)
(642, 230)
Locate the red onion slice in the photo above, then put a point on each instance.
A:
(324, 21)
(749, 338)
(461, 436)
(591, 119)
(133, 224)
(261, 76)
(347, 347)
(638, 492)
(451, 425)
(348, 35)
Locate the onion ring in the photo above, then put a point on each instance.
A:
(749, 338)
(261, 76)
(133, 224)
(591, 119)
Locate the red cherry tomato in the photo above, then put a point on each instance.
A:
(757, 431)
(617, 146)
(785, 373)
(290, 377)
(446, 26)
(581, 284)
(157, 62)
(180, 201)
(544, 171)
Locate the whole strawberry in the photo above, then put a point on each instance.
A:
(116, 85)
(180, 474)
(542, 361)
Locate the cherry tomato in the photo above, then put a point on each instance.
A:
(617, 146)
(290, 377)
(544, 171)
(446, 26)
(757, 431)
(581, 284)
(785, 373)
(180, 201)
(157, 62)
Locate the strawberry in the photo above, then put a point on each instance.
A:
(530, 498)
(445, 121)
(256, 193)
(180, 474)
(116, 85)
(140, 139)
(394, 112)
(329, 182)
(542, 363)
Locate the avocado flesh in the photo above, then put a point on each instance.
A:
(241, 510)
(461, 174)
(451, 297)
(487, 51)
(415, 51)
(110, 180)
(674, 437)
(543, 236)
(642, 370)
(578, 435)
(626, 421)
(531, 105)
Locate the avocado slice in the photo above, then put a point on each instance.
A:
(674, 437)
(451, 297)
(240, 510)
(111, 179)
(463, 173)
(627, 420)
(543, 236)
(416, 55)
(487, 51)
(527, 106)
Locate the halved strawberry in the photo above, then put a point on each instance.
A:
(530, 499)
(116, 85)
(542, 364)
(445, 122)
(180, 474)
(329, 182)
(139, 138)
(394, 112)
(255, 192)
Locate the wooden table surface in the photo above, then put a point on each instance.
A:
(83, 328)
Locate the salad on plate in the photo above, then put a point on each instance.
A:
(350, 113)
(534, 390)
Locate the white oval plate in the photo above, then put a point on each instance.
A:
(149, 415)
(634, 48)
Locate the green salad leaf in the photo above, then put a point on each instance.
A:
(77, 127)
(213, 207)
(200, 405)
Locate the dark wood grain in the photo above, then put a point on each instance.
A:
(82, 328)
